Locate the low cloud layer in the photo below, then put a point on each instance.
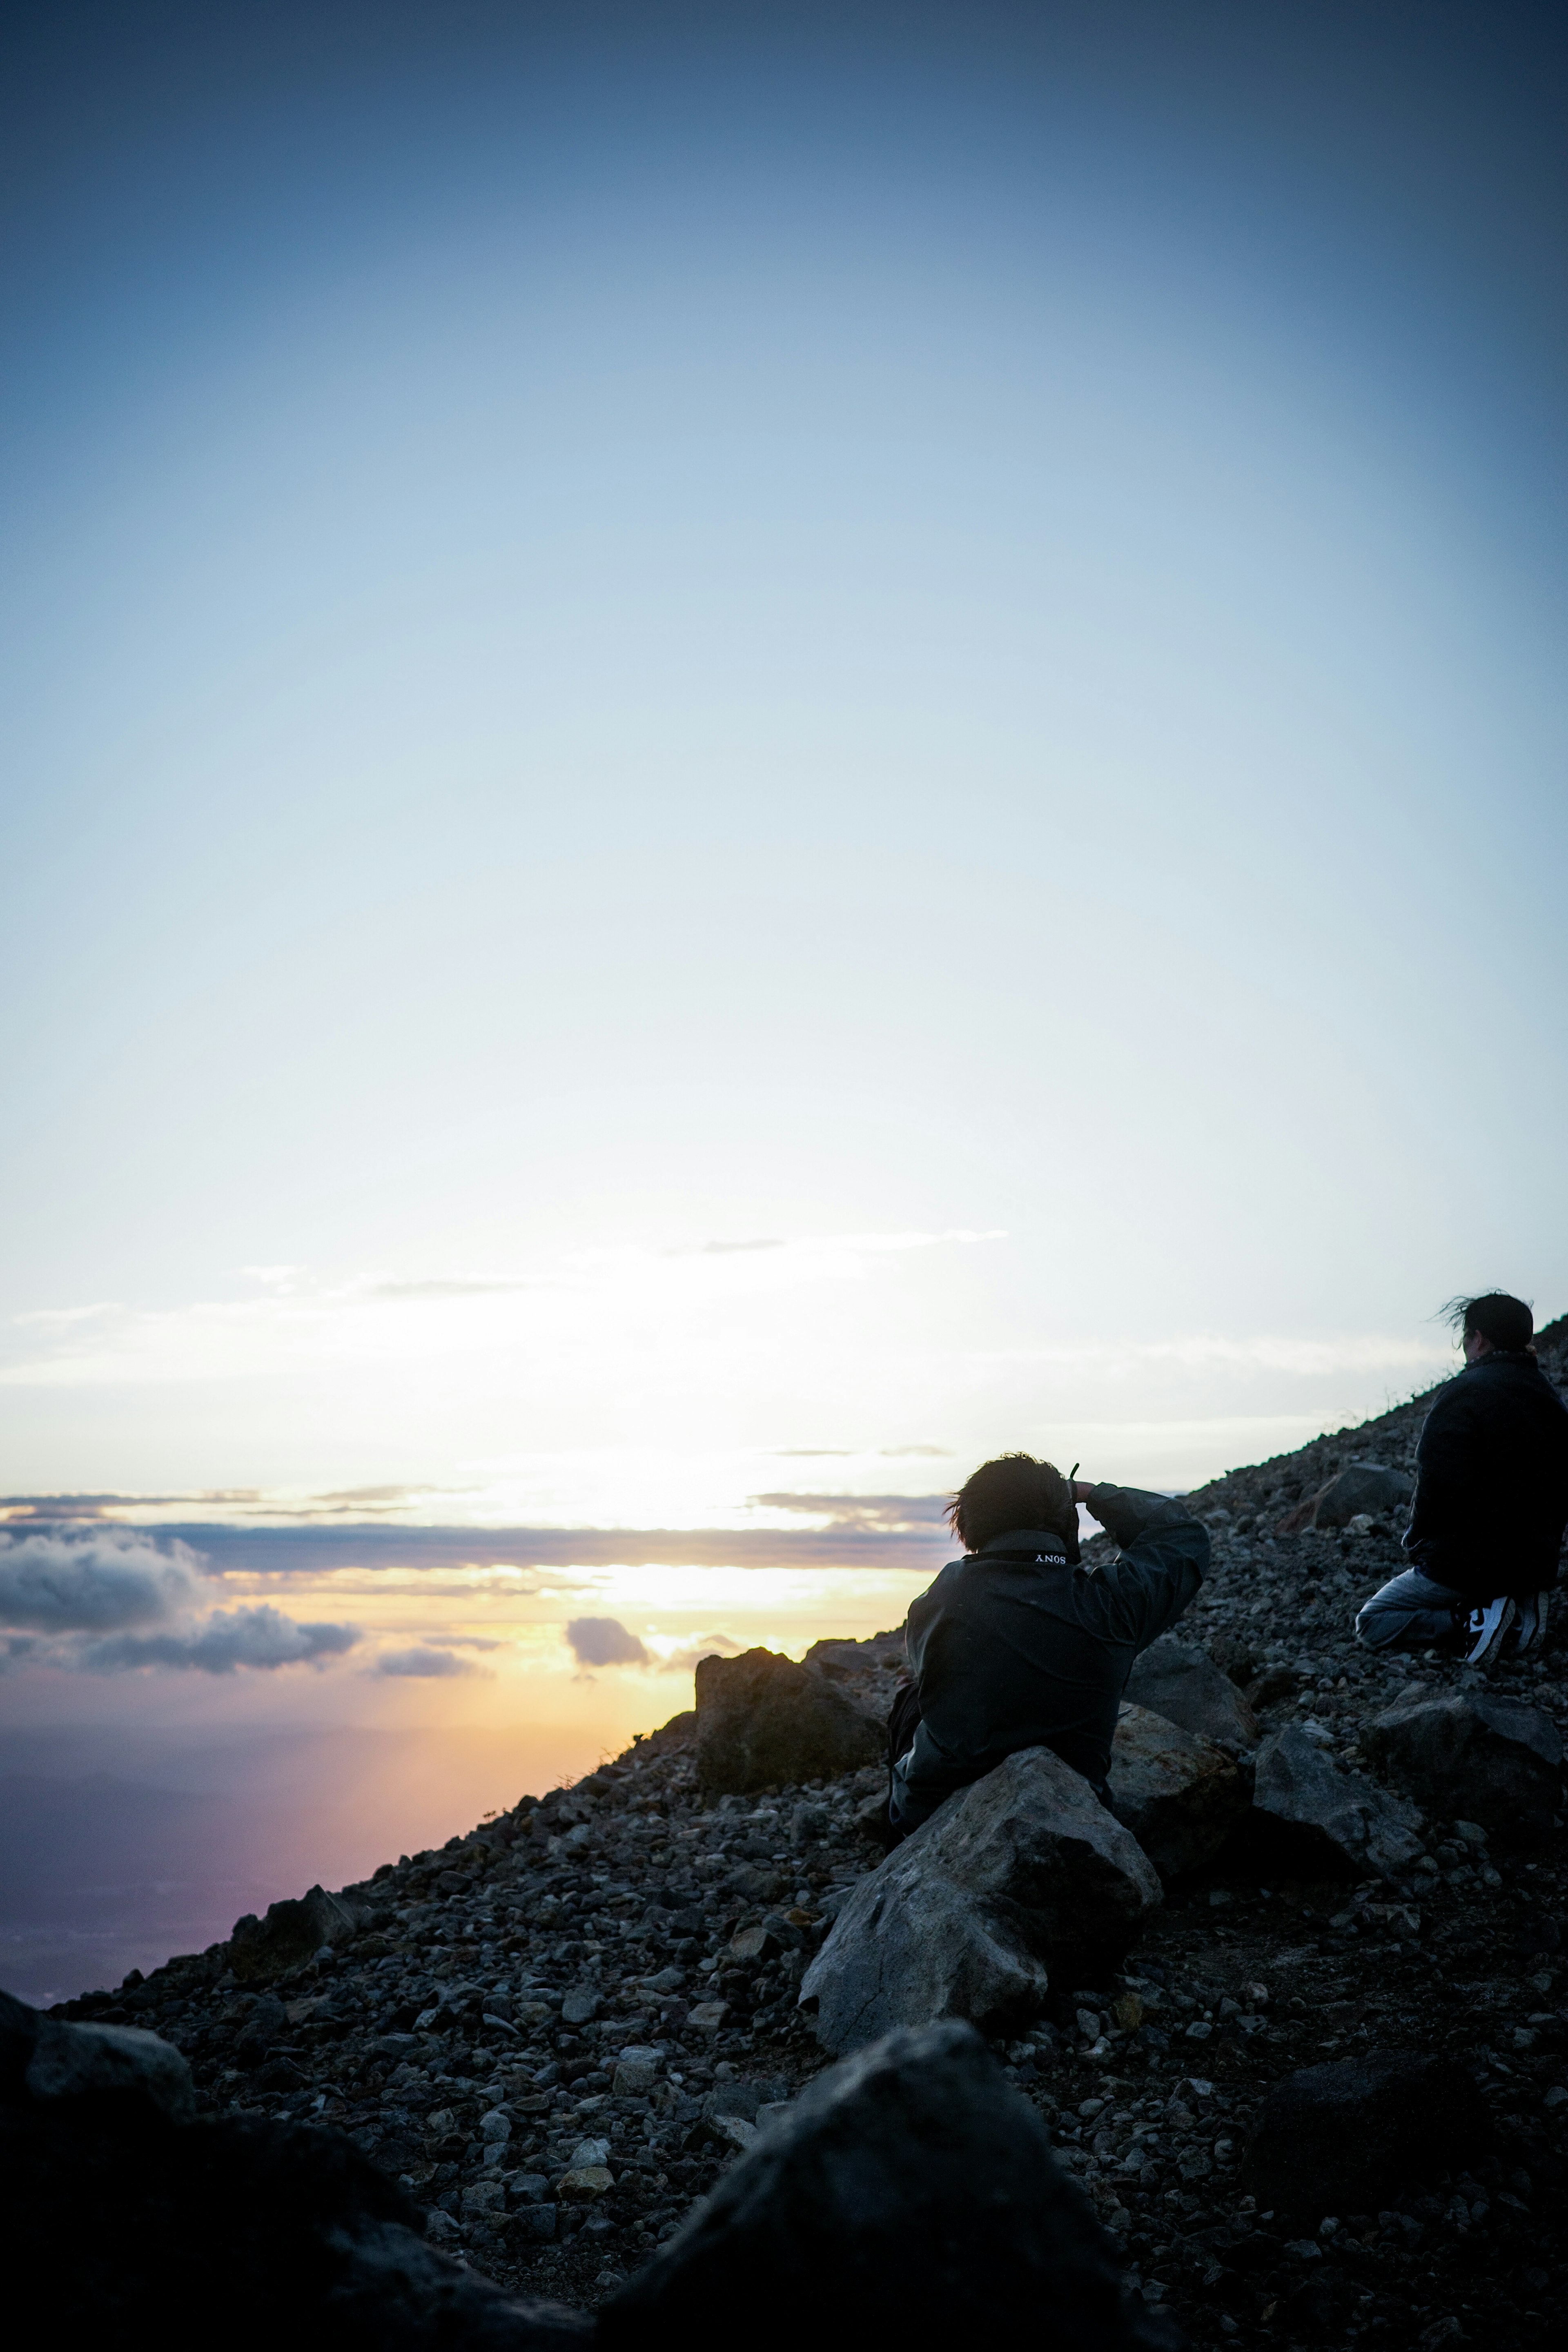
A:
(115, 1602)
(605, 1642)
(228, 1638)
(424, 1664)
(102, 1584)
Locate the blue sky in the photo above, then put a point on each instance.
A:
(749, 750)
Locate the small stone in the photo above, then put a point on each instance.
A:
(581, 2007)
(1127, 2012)
(707, 2016)
(535, 2222)
(584, 2183)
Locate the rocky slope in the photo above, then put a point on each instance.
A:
(558, 2030)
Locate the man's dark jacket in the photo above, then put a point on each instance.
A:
(1491, 1483)
(1014, 1648)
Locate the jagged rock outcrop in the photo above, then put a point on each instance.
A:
(1184, 1686)
(1493, 1760)
(763, 1722)
(1024, 1870)
(1336, 1819)
(292, 1931)
(919, 2196)
(1348, 2137)
(1180, 1796)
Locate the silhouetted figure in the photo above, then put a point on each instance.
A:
(1491, 1503)
(1018, 1644)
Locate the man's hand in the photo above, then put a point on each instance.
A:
(1082, 1488)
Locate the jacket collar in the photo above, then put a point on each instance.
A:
(1029, 1540)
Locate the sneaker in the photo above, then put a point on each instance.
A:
(1487, 1626)
(1531, 1630)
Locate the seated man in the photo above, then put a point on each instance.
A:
(1018, 1645)
(1491, 1503)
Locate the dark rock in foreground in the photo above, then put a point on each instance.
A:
(1188, 1689)
(1490, 1760)
(763, 1722)
(1180, 1795)
(1329, 1818)
(1355, 2134)
(139, 2227)
(1022, 1870)
(42, 2059)
(909, 2195)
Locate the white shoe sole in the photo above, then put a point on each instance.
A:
(1534, 1616)
(1488, 1643)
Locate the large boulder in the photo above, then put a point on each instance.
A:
(45, 2058)
(292, 1931)
(1180, 1796)
(1024, 1871)
(907, 2197)
(1326, 1818)
(1363, 1486)
(1354, 2135)
(1491, 1760)
(1188, 1689)
(763, 1721)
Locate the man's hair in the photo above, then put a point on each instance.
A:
(1506, 1322)
(1013, 1491)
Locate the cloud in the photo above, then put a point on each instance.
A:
(603, 1642)
(882, 1515)
(101, 1583)
(260, 1638)
(427, 1664)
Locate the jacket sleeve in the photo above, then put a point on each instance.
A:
(1165, 1553)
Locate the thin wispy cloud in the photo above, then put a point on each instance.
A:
(300, 1319)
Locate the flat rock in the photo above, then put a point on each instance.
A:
(918, 2196)
(763, 1721)
(1024, 1870)
(1353, 2136)
(1493, 1760)
(1188, 1689)
(1338, 1818)
(1179, 1794)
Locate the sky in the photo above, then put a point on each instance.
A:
(742, 751)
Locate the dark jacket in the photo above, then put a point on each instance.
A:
(1491, 1480)
(1012, 1648)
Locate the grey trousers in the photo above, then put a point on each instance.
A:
(1409, 1614)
